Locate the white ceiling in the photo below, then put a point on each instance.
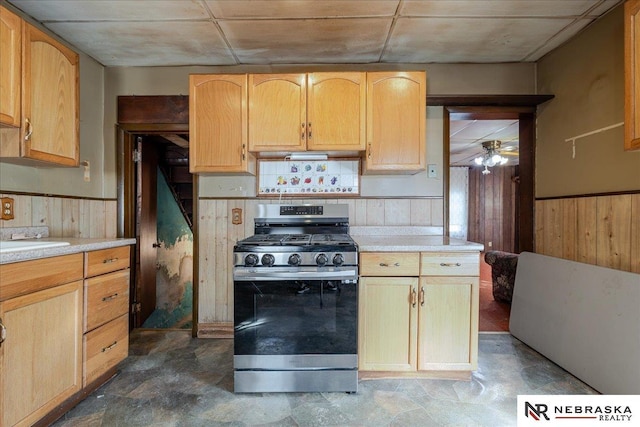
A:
(234, 32)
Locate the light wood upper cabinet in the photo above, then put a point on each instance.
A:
(336, 111)
(218, 124)
(277, 112)
(396, 122)
(50, 99)
(299, 112)
(49, 132)
(10, 66)
(632, 74)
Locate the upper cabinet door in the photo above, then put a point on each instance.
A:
(277, 112)
(336, 111)
(10, 78)
(632, 74)
(396, 121)
(218, 124)
(50, 99)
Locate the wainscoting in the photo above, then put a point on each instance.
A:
(217, 235)
(65, 216)
(599, 230)
(492, 207)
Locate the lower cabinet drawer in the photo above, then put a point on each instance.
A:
(105, 347)
(105, 298)
(450, 264)
(389, 263)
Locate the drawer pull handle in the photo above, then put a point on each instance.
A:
(384, 264)
(450, 264)
(109, 347)
(110, 297)
(414, 297)
(422, 296)
(110, 260)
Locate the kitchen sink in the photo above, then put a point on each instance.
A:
(27, 245)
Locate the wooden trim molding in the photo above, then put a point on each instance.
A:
(153, 109)
(577, 196)
(215, 330)
(487, 100)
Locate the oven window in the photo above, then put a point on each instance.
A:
(295, 317)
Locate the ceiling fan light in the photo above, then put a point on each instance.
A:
(478, 161)
(504, 161)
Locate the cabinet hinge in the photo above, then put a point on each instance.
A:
(136, 307)
(136, 156)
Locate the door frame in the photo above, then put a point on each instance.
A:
(495, 107)
(149, 115)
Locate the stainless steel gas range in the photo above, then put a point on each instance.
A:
(295, 301)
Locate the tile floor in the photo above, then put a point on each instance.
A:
(171, 379)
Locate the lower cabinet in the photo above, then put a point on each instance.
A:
(388, 324)
(447, 324)
(60, 332)
(106, 314)
(424, 318)
(41, 357)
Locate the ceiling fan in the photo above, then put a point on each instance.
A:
(493, 156)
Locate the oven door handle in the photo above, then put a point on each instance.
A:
(242, 276)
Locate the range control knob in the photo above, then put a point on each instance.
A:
(338, 259)
(295, 260)
(321, 259)
(251, 260)
(268, 260)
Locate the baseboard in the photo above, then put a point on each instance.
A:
(215, 330)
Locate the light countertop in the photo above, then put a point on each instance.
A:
(405, 239)
(76, 245)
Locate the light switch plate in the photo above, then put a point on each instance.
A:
(431, 171)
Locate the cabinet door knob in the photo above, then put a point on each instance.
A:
(27, 135)
(414, 297)
(3, 332)
(422, 296)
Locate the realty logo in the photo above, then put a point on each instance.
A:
(536, 411)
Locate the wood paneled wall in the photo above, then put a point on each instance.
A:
(492, 208)
(65, 217)
(599, 230)
(217, 236)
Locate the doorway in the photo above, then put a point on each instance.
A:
(515, 185)
(161, 196)
(151, 131)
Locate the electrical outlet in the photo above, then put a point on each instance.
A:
(236, 216)
(431, 171)
(7, 208)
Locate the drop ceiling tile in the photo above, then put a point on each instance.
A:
(559, 39)
(425, 40)
(147, 43)
(278, 9)
(121, 10)
(307, 41)
(497, 8)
